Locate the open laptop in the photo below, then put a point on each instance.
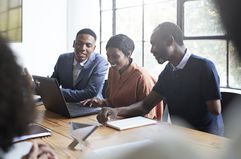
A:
(53, 99)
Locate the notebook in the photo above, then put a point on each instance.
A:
(53, 99)
(128, 123)
(35, 131)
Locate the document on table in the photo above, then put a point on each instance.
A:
(35, 131)
(128, 123)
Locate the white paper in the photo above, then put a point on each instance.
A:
(130, 123)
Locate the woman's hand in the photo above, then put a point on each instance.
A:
(94, 102)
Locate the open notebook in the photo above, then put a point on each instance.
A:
(128, 123)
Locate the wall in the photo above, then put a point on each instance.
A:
(49, 28)
(82, 14)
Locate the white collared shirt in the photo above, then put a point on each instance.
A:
(183, 62)
(77, 67)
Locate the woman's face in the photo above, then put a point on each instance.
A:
(116, 58)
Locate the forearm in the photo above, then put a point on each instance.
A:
(77, 95)
(214, 106)
(140, 108)
(132, 110)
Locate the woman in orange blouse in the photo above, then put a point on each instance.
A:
(128, 83)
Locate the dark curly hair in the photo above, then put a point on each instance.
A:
(123, 43)
(16, 103)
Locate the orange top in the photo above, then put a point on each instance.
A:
(132, 86)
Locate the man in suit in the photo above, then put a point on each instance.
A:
(81, 73)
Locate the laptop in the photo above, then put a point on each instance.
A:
(53, 99)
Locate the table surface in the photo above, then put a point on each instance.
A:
(204, 143)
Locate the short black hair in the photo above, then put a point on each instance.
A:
(123, 43)
(16, 103)
(167, 29)
(87, 31)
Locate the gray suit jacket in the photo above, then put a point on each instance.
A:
(89, 82)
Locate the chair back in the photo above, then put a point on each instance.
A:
(231, 110)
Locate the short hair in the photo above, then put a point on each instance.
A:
(87, 31)
(167, 29)
(16, 103)
(123, 43)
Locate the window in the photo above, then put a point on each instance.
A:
(137, 19)
(10, 18)
(199, 15)
(210, 42)
(234, 67)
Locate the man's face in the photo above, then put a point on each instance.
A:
(160, 48)
(84, 45)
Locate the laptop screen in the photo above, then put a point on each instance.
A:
(49, 90)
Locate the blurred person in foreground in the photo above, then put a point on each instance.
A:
(230, 11)
(128, 83)
(16, 106)
(189, 83)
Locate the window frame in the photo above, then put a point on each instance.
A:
(8, 29)
(180, 22)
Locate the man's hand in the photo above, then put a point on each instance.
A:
(93, 102)
(106, 114)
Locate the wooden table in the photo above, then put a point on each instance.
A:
(60, 139)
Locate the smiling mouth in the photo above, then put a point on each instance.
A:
(113, 65)
(80, 54)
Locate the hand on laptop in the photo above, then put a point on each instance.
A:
(94, 102)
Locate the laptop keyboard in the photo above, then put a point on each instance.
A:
(76, 109)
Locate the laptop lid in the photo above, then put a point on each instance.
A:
(51, 95)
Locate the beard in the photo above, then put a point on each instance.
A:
(161, 60)
(161, 56)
